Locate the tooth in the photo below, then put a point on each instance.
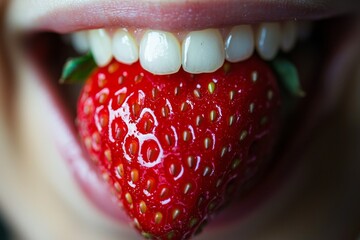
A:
(124, 47)
(160, 52)
(80, 42)
(268, 40)
(100, 45)
(288, 38)
(203, 51)
(239, 44)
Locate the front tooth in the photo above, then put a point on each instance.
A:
(124, 47)
(203, 51)
(160, 52)
(80, 42)
(268, 40)
(239, 44)
(289, 35)
(100, 45)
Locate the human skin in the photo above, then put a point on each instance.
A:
(41, 199)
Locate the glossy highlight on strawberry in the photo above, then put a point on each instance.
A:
(175, 148)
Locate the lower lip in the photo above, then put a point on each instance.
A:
(282, 176)
(97, 191)
(70, 149)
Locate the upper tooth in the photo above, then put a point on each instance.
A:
(100, 45)
(203, 51)
(80, 41)
(124, 47)
(160, 52)
(239, 45)
(288, 36)
(268, 40)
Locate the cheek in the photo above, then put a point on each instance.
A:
(38, 183)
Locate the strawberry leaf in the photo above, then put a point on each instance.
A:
(288, 76)
(77, 70)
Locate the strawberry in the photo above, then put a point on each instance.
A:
(175, 148)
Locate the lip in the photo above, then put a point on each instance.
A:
(69, 16)
(57, 20)
(280, 181)
(63, 133)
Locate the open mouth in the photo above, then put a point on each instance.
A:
(221, 40)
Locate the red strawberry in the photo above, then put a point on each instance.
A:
(175, 147)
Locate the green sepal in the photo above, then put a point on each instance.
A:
(77, 70)
(288, 76)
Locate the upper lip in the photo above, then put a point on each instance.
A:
(69, 16)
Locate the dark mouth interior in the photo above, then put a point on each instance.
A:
(49, 51)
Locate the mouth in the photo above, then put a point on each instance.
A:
(127, 34)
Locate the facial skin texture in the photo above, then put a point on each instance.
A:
(40, 199)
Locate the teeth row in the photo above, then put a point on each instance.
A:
(202, 51)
